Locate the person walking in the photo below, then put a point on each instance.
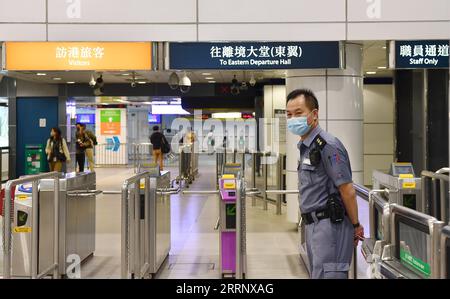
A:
(57, 150)
(90, 149)
(157, 138)
(83, 142)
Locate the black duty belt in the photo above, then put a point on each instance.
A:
(320, 214)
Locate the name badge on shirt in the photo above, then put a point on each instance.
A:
(307, 161)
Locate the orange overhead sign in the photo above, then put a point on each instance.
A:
(80, 56)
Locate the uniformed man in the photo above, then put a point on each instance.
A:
(327, 196)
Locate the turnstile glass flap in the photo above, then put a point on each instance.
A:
(379, 227)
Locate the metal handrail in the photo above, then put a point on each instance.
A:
(35, 179)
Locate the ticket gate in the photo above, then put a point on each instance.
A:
(232, 227)
(414, 245)
(404, 187)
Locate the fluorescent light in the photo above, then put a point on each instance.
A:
(211, 81)
(169, 109)
(209, 78)
(381, 67)
(384, 47)
(57, 79)
(41, 74)
(142, 82)
(227, 115)
(371, 73)
(125, 74)
(206, 74)
(71, 82)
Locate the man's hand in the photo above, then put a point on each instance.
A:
(358, 235)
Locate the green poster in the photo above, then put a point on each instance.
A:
(415, 263)
(110, 115)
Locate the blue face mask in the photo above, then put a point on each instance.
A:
(298, 125)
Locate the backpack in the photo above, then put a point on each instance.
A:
(92, 137)
(165, 146)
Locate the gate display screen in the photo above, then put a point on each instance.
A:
(414, 248)
(230, 215)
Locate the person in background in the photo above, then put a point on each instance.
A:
(157, 138)
(211, 142)
(56, 150)
(82, 143)
(90, 149)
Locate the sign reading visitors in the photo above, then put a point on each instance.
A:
(258, 55)
(110, 121)
(421, 54)
(54, 56)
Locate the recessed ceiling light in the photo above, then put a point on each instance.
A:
(57, 79)
(371, 73)
(41, 74)
(209, 78)
(381, 67)
(71, 82)
(206, 74)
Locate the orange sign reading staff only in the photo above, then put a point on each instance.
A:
(80, 56)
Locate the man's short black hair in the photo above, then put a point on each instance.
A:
(310, 98)
(155, 128)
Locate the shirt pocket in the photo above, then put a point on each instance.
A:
(306, 174)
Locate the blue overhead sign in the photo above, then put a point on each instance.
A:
(424, 54)
(255, 55)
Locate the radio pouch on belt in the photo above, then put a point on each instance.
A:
(335, 209)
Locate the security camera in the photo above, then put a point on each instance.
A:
(252, 81)
(185, 83)
(173, 81)
(93, 81)
(133, 84)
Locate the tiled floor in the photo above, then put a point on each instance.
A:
(272, 242)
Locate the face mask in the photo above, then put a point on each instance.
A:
(298, 125)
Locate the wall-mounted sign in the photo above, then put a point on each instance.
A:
(256, 55)
(422, 54)
(84, 56)
(110, 121)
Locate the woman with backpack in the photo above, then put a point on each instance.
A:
(160, 146)
(57, 150)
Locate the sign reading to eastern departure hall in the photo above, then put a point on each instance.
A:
(82, 56)
(257, 55)
(420, 54)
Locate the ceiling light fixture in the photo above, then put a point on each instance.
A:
(57, 79)
(41, 74)
(209, 78)
(371, 73)
(70, 82)
(211, 81)
(206, 74)
(381, 67)
(142, 82)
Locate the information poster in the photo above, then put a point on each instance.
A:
(110, 121)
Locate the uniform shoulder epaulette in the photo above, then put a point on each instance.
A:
(320, 142)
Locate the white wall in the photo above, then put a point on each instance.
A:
(379, 134)
(207, 20)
